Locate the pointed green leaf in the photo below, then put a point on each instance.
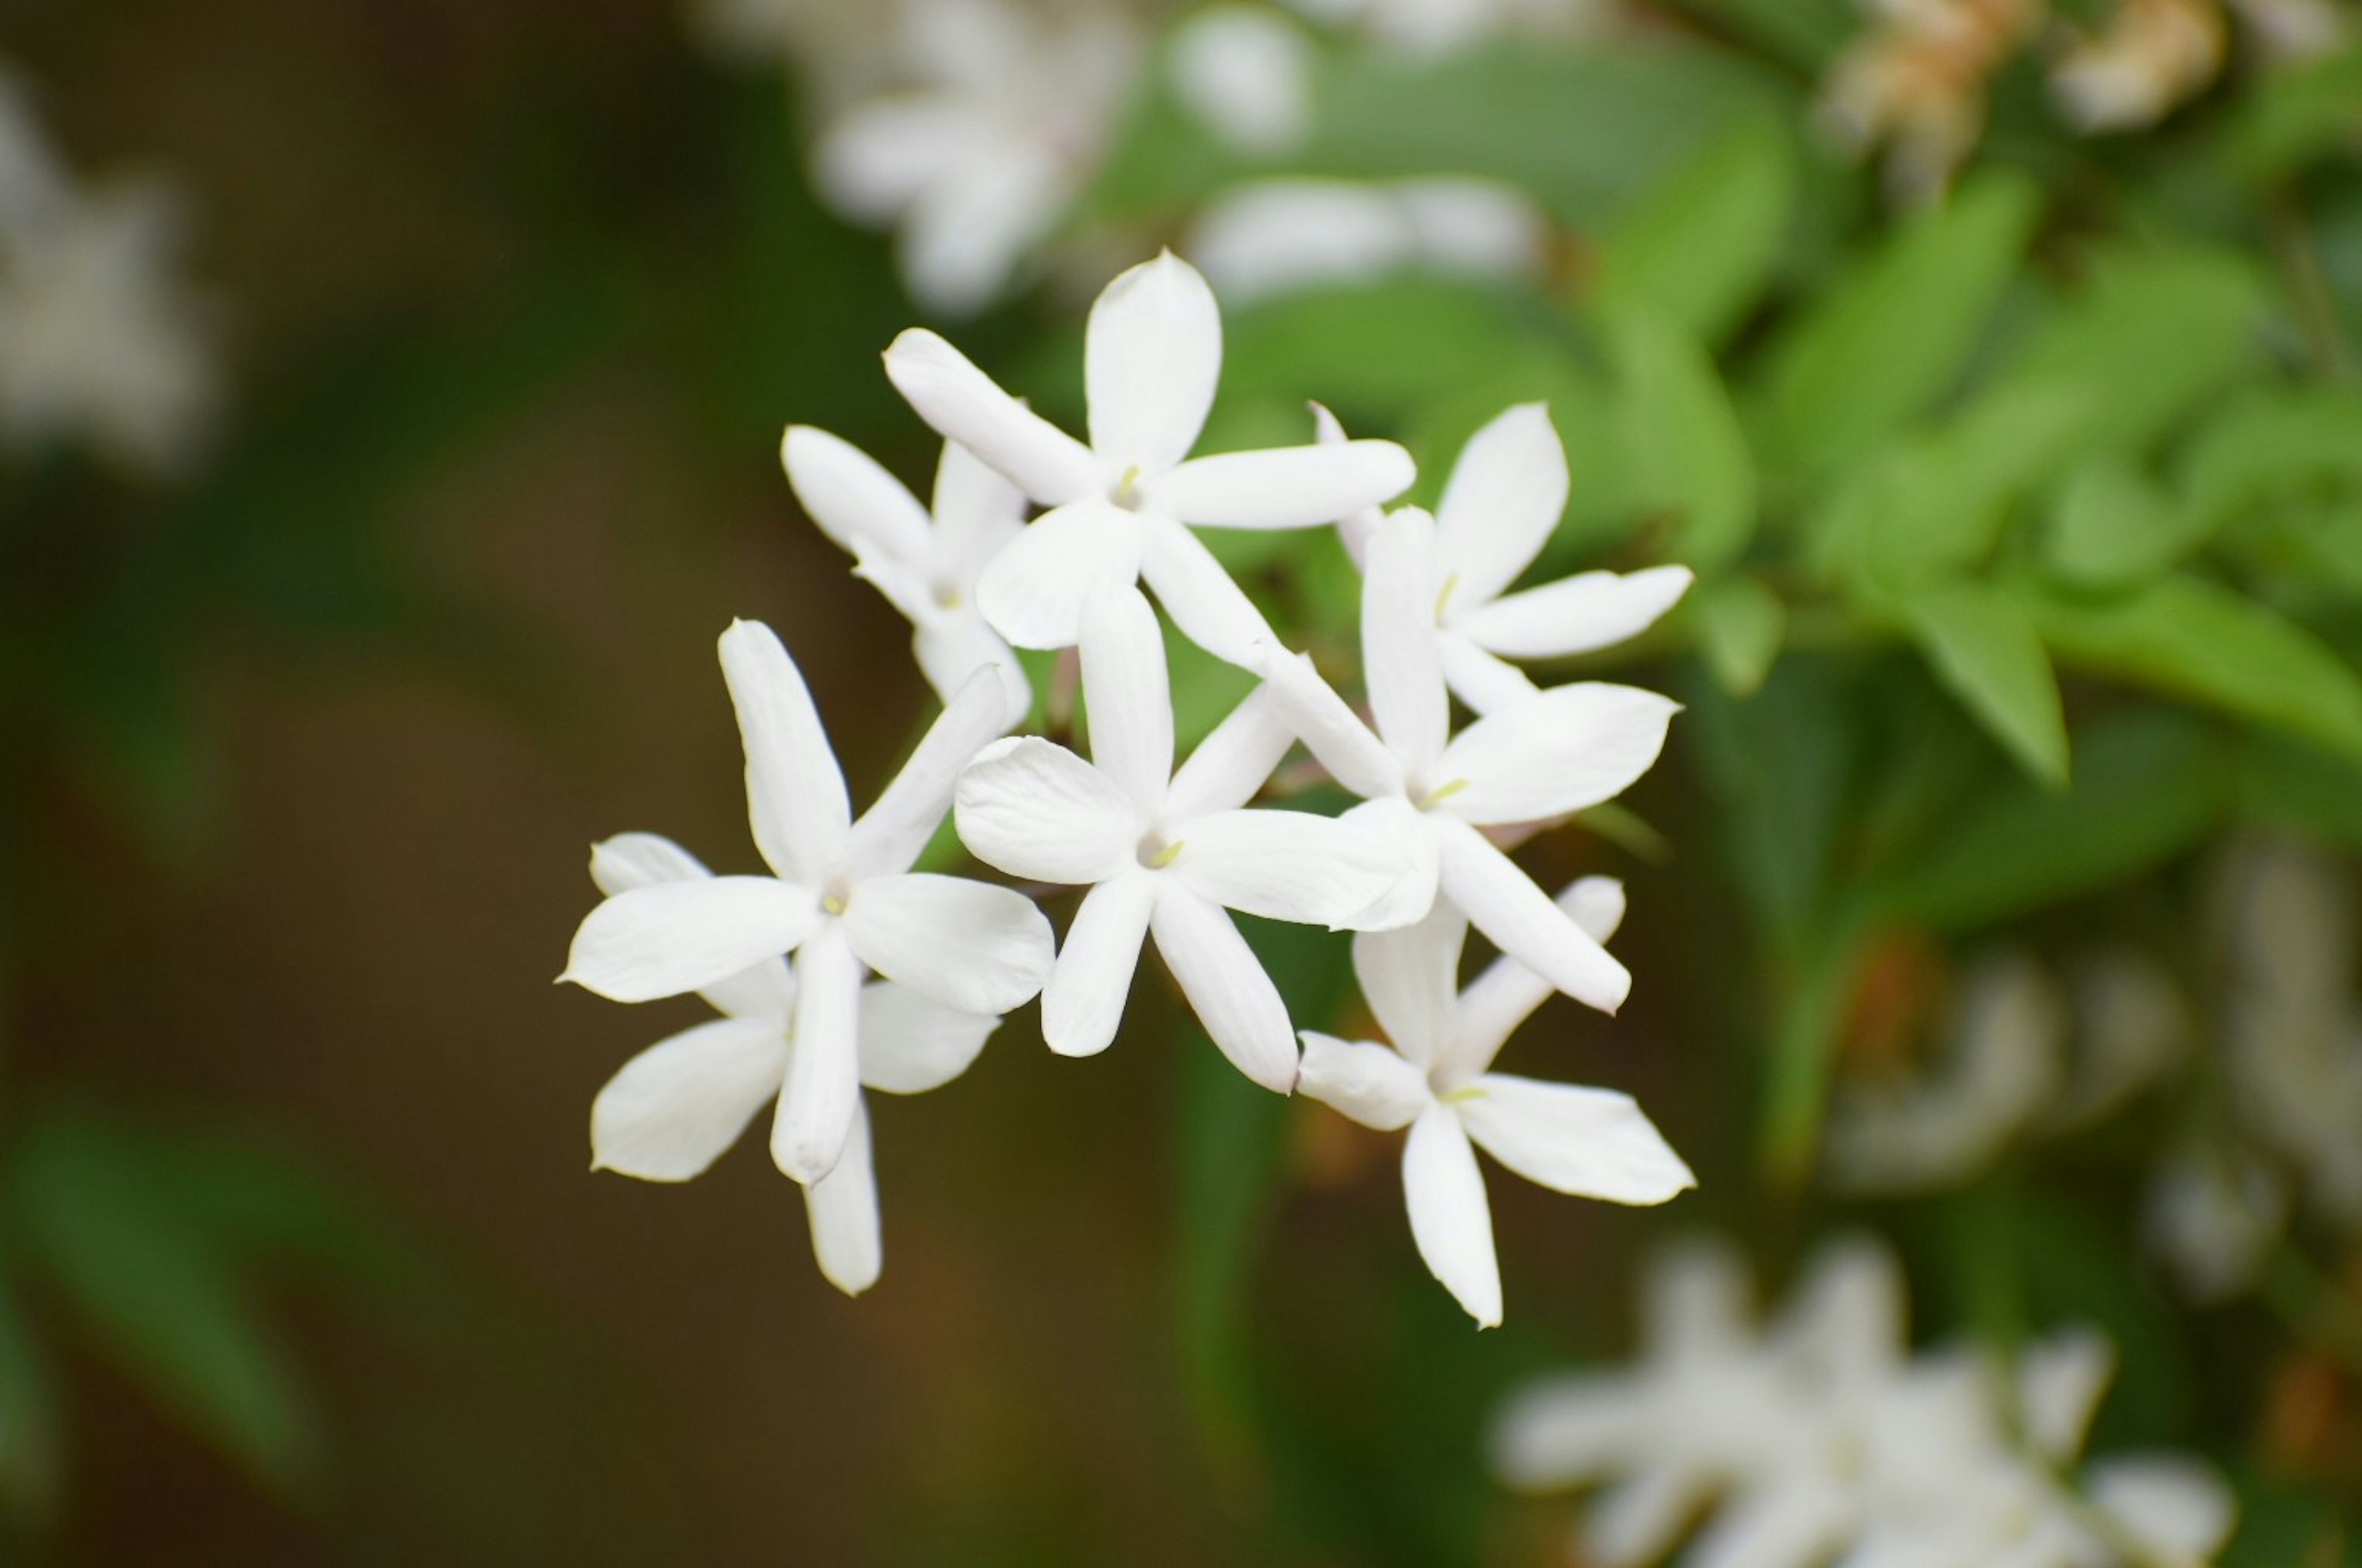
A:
(1698, 249)
(1681, 441)
(1984, 650)
(1739, 623)
(2115, 526)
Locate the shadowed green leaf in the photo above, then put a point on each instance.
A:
(1984, 650)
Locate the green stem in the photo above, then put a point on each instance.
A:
(2316, 308)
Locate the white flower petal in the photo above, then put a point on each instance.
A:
(1400, 666)
(1226, 985)
(795, 792)
(1246, 74)
(1564, 1431)
(1033, 809)
(2060, 1381)
(1127, 697)
(893, 830)
(1508, 992)
(823, 1093)
(1082, 1007)
(631, 860)
(1503, 497)
(963, 238)
(1698, 1302)
(967, 944)
(1233, 763)
(1410, 899)
(964, 406)
(978, 514)
(1409, 977)
(1207, 606)
(1035, 591)
(677, 1105)
(841, 1209)
(1367, 1081)
(1290, 866)
(862, 508)
(1354, 529)
(1150, 357)
(1502, 903)
(1637, 1518)
(1281, 487)
(1571, 747)
(1450, 1217)
(1575, 614)
(951, 647)
(1784, 1524)
(1483, 681)
(671, 937)
(2177, 1507)
(910, 1044)
(1587, 1143)
(878, 157)
(1332, 730)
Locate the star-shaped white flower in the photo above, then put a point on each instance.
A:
(1166, 854)
(675, 1107)
(1269, 237)
(841, 896)
(926, 566)
(1505, 497)
(1557, 752)
(1121, 508)
(1437, 1081)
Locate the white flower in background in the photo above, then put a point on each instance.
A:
(1435, 26)
(1269, 237)
(1436, 1080)
(2152, 55)
(675, 1107)
(979, 161)
(1122, 506)
(841, 896)
(1557, 752)
(2212, 1215)
(1505, 497)
(1915, 84)
(926, 566)
(1166, 854)
(1246, 73)
(2295, 29)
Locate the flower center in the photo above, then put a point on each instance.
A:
(1433, 798)
(1156, 853)
(834, 896)
(1126, 489)
(1444, 595)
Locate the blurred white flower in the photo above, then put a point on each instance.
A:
(1166, 854)
(1556, 753)
(925, 566)
(841, 896)
(1120, 507)
(1504, 499)
(2296, 30)
(1277, 236)
(976, 163)
(2133, 1028)
(2212, 1215)
(675, 1107)
(1435, 26)
(1436, 1080)
(1914, 82)
(1246, 73)
(2151, 56)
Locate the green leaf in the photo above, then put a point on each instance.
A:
(1682, 444)
(1804, 33)
(2313, 108)
(1697, 251)
(2271, 447)
(1984, 650)
(2293, 788)
(28, 1413)
(1893, 335)
(1739, 623)
(2188, 638)
(2115, 526)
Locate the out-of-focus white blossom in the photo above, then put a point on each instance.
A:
(1246, 73)
(2212, 1215)
(2295, 29)
(1435, 26)
(1276, 237)
(2150, 56)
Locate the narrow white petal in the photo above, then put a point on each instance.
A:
(952, 646)
(2175, 1505)
(630, 860)
(1571, 747)
(841, 1209)
(1575, 614)
(1502, 903)
(1784, 1524)
(1082, 1007)
(1410, 899)
(1587, 1143)
(677, 1105)
(1409, 976)
(963, 238)
(1450, 1217)
(1354, 528)
(795, 792)
(1564, 1431)
(977, 512)
(1226, 985)
(1367, 1081)
(1482, 681)
(1290, 866)
(1282, 487)
(2060, 1381)
(862, 508)
(1127, 697)
(1503, 497)
(1035, 591)
(910, 1044)
(1032, 808)
(967, 944)
(1508, 992)
(1638, 1518)
(671, 937)
(1404, 673)
(1207, 606)
(1152, 354)
(893, 830)
(964, 406)
(878, 157)
(823, 1085)
(1234, 762)
(1332, 730)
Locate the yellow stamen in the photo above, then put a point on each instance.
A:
(1436, 797)
(1462, 1095)
(833, 905)
(1166, 857)
(1445, 597)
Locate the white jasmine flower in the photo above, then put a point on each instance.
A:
(978, 162)
(2212, 1216)
(2132, 1029)
(1505, 497)
(1436, 1080)
(678, 1104)
(2295, 29)
(2152, 55)
(1246, 73)
(1436, 26)
(1558, 752)
(1165, 854)
(1120, 507)
(1269, 237)
(841, 896)
(926, 566)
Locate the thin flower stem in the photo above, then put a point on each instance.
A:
(2316, 309)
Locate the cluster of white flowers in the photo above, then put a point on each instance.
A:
(1822, 1439)
(1165, 852)
(99, 342)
